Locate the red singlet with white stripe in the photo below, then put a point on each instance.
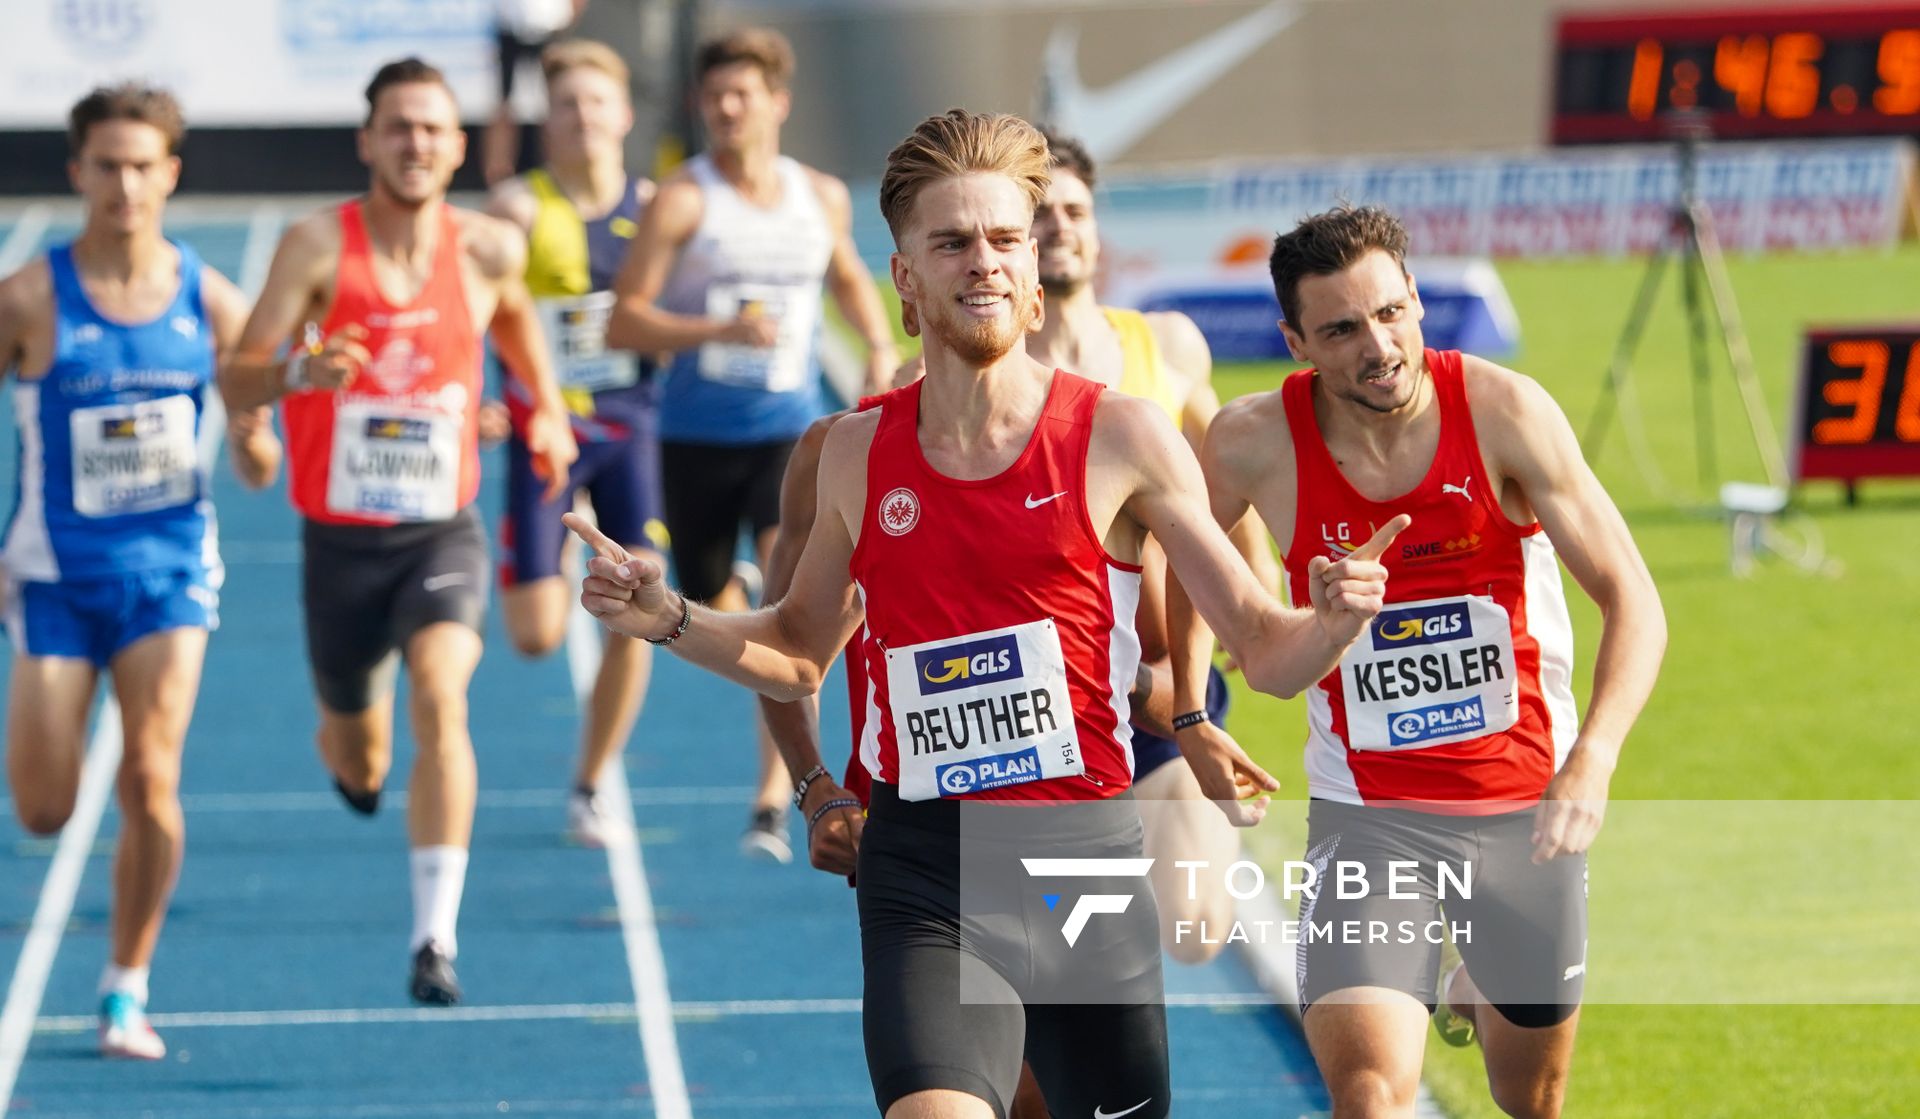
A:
(1000, 643)
(1460, 690)
(401, 443)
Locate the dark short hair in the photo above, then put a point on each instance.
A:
(127, 101)
(1069, 155)
(762, 46)
(405, 71)
(1331, 242)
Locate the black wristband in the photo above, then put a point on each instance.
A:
(806, 782)
(686, 617)
(1190, 719)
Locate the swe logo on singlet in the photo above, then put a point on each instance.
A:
(968, 664)
(1421, 625)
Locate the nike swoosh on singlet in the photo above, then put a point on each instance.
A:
(1032, 504)
(441, 582)
(1098, 1113)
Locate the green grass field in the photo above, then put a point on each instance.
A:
(1782, 687)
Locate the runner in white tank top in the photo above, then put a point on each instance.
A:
(726, 274)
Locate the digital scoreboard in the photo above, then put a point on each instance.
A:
(1839, 69)
(1857, 408)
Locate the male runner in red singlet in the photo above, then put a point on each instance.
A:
(381, 410)
(1457, 698)
(986, 520)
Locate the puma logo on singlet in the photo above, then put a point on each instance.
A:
(1032, 503)
(1461, 489)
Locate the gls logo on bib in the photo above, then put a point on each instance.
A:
(967, 665)
(1422, 625)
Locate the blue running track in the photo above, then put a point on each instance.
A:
(670, 978)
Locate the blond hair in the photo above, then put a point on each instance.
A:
(957, 143)
(583, 54)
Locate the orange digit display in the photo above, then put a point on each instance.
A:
(1793, 74)
(1899, 69)
(1740, 66)
(1859, 404)
(1861, 393)
(1643, 95)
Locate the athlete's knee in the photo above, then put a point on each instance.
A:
(43, 814)
(1367, 1093)
(1536, 1093)
(149, 785)
(439, 709)
(537, 639)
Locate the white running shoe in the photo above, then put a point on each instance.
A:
(588, 824)
(1454, 1029)
(766, 837)
(751, 580)
(124, 1031)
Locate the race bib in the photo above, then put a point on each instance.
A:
(394, 462)
(1429, 673)
(781, 367)
(135, 457)
(576, 330)
(982, 712)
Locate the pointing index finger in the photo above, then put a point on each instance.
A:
(595, 539)
(1375, 547)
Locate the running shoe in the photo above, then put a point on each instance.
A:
(766, 837)
(752, 582)
(433, 982)
(1454, 1029)
(588, 824)
(124, 1031)
(364, 804)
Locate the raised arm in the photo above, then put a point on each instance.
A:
(851, 286)
(833, 827)
(638, 322)
(1526, 440)
(301, 274)
(252, 447)
(500, 250)
(782, 651)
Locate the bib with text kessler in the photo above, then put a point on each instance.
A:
(394, 462)
(576, 330)
(781, 367)
(1429, 673)
(982, 712)
(134, 457)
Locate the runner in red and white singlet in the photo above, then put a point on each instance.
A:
(1012, 685)
(1445, 742)
(382, 397)
(992, 515)
(399, 443)
(1461, 689)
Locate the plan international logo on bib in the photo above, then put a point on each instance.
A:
(992, 772)
(1464, 717)
(968, 664)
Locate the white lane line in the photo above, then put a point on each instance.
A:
(494, 798)
(263, 236)
(30, 972)
(558, 1012)
(666, 1077)
(25, 237)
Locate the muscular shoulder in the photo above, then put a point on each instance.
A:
(513, 201)
(311, 244)
(497, 247)
(678, 204)
(1249, 439)
(226, 305)
(1520, 427)
(843, 458)
(1183, 345)
(27, 294)
(1132, 428)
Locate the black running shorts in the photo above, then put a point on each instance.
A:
(710, 492)
(1521, 929)
(368, 588)
(957, 995)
